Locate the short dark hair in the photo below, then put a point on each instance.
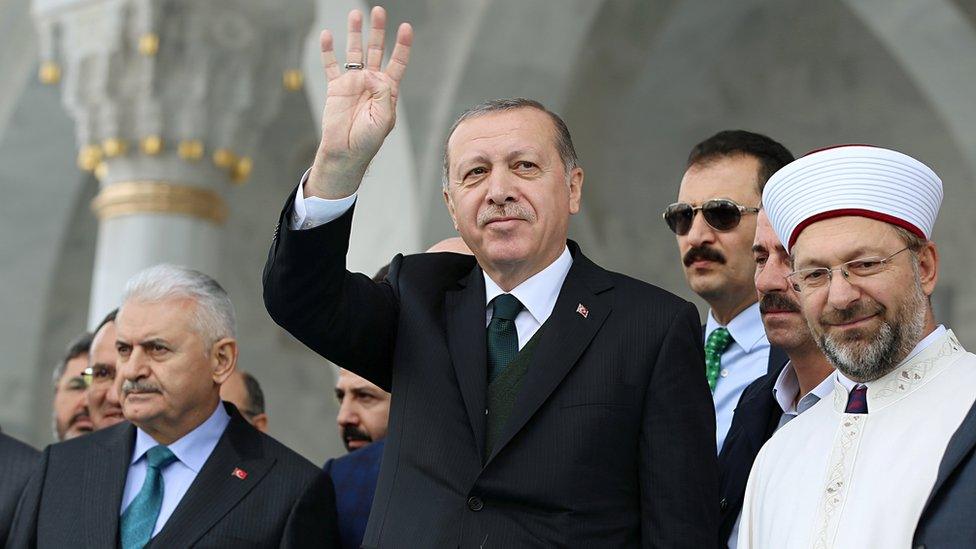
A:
(564, 141)
(78, 347)
(255, 396)
(771, 155)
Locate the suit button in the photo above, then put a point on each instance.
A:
(475, 503)
(724, 504)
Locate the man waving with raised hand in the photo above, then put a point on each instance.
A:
(539, 399)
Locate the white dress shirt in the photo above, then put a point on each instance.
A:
(538, 293)
(745, 359)
(191, 451)
(787, 389)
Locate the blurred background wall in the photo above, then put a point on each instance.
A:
(638, 82)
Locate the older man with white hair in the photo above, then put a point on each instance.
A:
(857, 468)
(185, 470)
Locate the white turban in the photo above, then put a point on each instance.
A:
(858, 180)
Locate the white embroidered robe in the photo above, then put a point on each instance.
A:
(834, 480)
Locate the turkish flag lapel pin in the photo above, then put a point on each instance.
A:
(239, 473)
(582, 310)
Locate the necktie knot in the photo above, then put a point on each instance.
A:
(506, 307)
(857, 401)
(159, 456)
(719, 340)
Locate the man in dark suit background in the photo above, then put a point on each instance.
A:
(354, 478)
(17, 461)
(185, 469)
(538, 399)
(779, 396)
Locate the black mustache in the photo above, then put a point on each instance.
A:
(350, 433)
(777, 302)
(702, 252)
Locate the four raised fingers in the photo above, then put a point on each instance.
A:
(376, 41)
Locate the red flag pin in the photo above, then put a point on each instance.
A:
(239, 473)
(582, 310)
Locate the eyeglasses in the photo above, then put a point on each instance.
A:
(806, 280)
(98, 375)
(721, 214)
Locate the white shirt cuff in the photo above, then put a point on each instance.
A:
(308, 213)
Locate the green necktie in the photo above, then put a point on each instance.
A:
(718, 341)
(139, 518)
(502, 336)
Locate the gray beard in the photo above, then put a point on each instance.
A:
(877, 358)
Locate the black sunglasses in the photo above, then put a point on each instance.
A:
(721, 214)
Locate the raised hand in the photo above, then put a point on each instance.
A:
(360, 106)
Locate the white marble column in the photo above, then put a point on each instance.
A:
(169, 98)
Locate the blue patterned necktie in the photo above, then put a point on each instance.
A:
(502, 335)
(139, 518)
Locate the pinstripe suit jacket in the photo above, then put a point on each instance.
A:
(74, 497)
(610, 442)
(17, 460)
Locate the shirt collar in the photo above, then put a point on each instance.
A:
(746, 328)
(787, 388)
(539, 292)
(193, 448)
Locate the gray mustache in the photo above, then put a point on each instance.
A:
(509, 210)
(138, 387)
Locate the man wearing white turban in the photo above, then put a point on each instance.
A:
(857, 468)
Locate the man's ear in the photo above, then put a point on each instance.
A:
(928, 267)
(260, 422)
(223, 357)
(449, 202)
(575, 189)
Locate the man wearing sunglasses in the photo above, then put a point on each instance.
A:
(714, 221)
(857, 469)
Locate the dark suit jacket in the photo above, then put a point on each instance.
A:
(17, 461)
(947, 521)
(756, 416)
(74, 497)
(610, 441)
(354, 477)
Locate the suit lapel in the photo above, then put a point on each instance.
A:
(216, 490)
(465, 320)
(777, 358)
(960, 445)
(103, 475)
(568, 332)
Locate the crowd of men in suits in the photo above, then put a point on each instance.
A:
(503, 390)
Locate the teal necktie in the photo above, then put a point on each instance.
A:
(502, 336)
(139, 518)
(718, 341)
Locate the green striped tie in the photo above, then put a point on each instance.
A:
(718, 341)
